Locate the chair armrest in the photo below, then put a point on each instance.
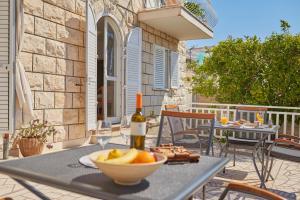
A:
(286, 142)
(290, 137)
(244, 188)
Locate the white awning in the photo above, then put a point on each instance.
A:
(176, 21)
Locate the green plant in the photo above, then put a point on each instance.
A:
(38, 130)
(194, 8)
(250, 71)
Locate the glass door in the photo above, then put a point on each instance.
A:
(112, 74)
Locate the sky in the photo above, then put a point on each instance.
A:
(251, 17)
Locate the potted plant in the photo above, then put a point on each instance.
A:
(32, 139)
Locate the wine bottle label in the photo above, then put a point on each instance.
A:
(138, 128)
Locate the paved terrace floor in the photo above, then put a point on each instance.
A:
(286, 183)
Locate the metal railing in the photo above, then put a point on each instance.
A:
(201, 9)
(287, 117)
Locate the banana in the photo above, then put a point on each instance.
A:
(101, 158)
(125, 159)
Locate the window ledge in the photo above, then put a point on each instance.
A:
(161, 89)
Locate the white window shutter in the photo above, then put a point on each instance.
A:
(91, 70)
(174, 70)
(159, 67)
(6, 61)
(134, 68)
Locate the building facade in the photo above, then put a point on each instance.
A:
(85, 61)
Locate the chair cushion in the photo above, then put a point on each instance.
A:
(286, 154)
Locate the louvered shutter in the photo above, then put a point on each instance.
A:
(6, 61)
(91, 70)
(133, 72)
(174, 70)
(159, 67)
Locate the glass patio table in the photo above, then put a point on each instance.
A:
(260, 146)
(63, 171)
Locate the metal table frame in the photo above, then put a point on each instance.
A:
(260, 146)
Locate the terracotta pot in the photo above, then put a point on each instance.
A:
(30, 146)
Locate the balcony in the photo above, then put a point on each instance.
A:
(182, 19)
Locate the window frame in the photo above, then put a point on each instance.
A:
(167, 68)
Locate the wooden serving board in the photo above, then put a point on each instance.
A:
(176, 153)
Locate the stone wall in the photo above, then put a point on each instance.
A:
(53, 55)
(153, 99)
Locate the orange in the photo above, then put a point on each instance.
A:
(144, 157)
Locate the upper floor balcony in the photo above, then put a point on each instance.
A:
(182, 19)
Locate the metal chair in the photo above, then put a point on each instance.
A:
(177, 129)
(248, 189)
(249, 114)
(286, 147)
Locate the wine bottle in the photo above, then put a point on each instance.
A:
(138, 125)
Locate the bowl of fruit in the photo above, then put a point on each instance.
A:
(127, 166)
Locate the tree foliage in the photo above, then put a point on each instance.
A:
(250, 71)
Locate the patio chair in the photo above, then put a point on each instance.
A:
(188, 132)
(177, 129)
(250, 190)
(286, 147)
(242, 138)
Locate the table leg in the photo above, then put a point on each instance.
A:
(32, 189)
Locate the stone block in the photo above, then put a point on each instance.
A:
(81, 54)
(70, 116)
(73, 20)
(45, 28)
(63, 100)
(81, 115)
(44, 100)
(62, 133)
(145, 36)
(80, 8)
(150, 80)
(82, 24)
(72, 52)
(69, 35)
(29, 23)
(55, 48)
(145, 79)
(78, 100)
(151, 38)
(33, 7)
(44, 64)
(73, 84)
(150, 29)
(54, 83)
(26, 60)
(64, 67)
(79, 69)
(149, 69)
(82, 87)
(76, 131)
(68, 5)
(165, 43)
(34, 44)
(146, 100)
(149, 90)
(35, 80)
(38, 114)
(54, 116)
(54, 13)
(158, 40)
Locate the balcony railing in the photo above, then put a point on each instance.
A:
(201, 9)
(287, 117)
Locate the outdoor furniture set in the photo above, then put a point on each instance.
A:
(171, 181)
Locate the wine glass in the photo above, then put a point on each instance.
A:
(125, 128)
(104, 130)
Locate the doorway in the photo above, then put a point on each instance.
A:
(109, 70)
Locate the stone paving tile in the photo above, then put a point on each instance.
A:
(286, 174)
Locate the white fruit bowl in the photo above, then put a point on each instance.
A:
(127, 174)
